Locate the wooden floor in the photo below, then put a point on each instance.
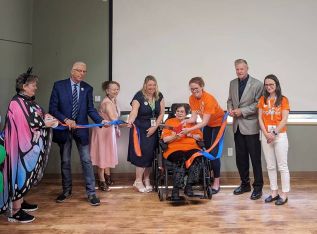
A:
(123, 210)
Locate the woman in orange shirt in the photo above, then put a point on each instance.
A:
(180, 148)
(211, 114)
(273, 114)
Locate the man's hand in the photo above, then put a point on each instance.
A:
(236, 112)
(70, 123)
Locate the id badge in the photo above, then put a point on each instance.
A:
(271, 128)
(153, 122)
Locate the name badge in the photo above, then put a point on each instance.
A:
(271, 128)
(153, 122)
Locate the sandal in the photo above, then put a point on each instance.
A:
(139, 186)
(148, 186)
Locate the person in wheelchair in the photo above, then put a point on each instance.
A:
(180, 148)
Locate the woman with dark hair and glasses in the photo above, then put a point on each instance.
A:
(204, 104)
(180, 148)
(27, 142)
(273, 113)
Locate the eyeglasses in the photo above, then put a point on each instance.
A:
(80, 70)
(269, 85)
(194, 89)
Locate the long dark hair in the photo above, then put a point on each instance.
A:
(278, 90)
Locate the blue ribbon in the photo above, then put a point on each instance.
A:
(113, 122)
(208, 155)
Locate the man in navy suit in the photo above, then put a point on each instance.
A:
(71, 103)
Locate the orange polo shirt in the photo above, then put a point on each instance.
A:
(207, 104)
(271, 114)
(184, 143)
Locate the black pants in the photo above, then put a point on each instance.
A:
(210, 134)
(178, 158)
(249, 145)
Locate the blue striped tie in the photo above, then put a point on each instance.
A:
(75, 102)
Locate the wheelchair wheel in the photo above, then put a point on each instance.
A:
(160, 194)
(209, 192)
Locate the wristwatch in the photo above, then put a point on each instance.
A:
(275, 133)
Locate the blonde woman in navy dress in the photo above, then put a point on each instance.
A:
(147, 113)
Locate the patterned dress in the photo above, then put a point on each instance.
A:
(27, 143)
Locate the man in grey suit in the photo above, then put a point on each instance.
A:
(244, 94)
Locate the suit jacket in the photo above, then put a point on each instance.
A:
(61, 108)
(248, 122)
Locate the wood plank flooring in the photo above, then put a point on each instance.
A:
(123, 210)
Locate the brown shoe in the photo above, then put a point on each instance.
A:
(103, 186)
(109, 181)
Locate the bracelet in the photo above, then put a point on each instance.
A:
(275, 133)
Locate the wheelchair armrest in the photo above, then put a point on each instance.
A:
(163, 145)
(200, 143)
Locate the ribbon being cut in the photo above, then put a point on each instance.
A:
(113, 122)
(219, 140)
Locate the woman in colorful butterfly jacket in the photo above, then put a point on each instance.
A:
(27, 142)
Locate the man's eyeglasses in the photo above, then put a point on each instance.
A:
(80, 70)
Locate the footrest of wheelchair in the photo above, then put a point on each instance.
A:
(181, 199)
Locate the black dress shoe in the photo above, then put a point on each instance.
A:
(256, 195)
(175, 194)
(241, 190)
(62, 197)
(270, 198)
(215, 191)
(280, 201)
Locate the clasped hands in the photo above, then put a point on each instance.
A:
(235, 112)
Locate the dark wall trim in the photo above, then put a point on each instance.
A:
(18, 42)
(110, 37)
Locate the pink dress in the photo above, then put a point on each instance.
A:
(103, 144)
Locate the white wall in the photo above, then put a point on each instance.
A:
(176, 40)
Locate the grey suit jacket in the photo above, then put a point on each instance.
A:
(248, 122)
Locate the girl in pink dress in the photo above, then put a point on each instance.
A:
(103, 145)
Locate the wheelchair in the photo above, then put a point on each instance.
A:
(163, 170)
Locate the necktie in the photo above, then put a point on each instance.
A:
(75, 102)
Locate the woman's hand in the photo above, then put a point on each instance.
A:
(196, 137)
(50, 121)
(118, 132)
(185, 131)
(150, 131)
(269, 137)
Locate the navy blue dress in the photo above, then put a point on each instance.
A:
(143, 122)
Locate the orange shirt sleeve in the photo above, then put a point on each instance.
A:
(260, 103)
(167, 132)
(285, 104)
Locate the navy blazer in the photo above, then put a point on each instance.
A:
(61, 108)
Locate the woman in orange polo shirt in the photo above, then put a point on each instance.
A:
(211, 114)
(273, 114)
(180, 148)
